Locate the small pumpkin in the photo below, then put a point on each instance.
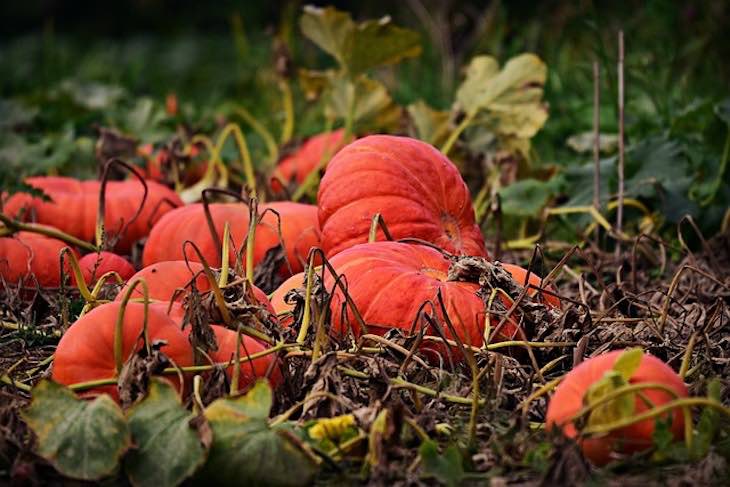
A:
(250, 369)
(95, 265)
(86, 350)
(29, 257)
(299, 228)
(416, 189)
(519, 274)
(80, 199)
(570, 397)
(315, 151)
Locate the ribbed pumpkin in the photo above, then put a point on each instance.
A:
(416, 189)
(165, 279)
(277, 297)
(95, 265)
(389, 282)
(568, 400)
(26, 255)
(86, 350)
(298, 225)
(74, 205)
(298, 165)
(251, 369)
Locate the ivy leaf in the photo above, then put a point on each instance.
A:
(168, 449)
(83, 440)
(447, 468)
(358, 47)
(628, 363)
(431, 125)
(246, 450)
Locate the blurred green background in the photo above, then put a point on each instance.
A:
(68, 67)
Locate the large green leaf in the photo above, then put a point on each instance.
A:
(527, 197)
(246, 450)
(614, 409)
(628, 362)
(167, 449)
(358, 47)
(431, 125)
(82, 439)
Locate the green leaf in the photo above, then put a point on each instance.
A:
(613, 410)
(378, 43)
(708, 424)
(628, 362)
(584, 142)
(92, 95)
(168, 450)
(358, 47)
(83, 440)
(447, 468)
(329, 28)
(431, 125)
(527, 197)
(246, 450)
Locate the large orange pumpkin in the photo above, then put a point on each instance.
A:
(569, 395)
(74, 205)
(26, 256)
(298, 226)
(86, 350)
(95, 265)
(300, 164)
(390, 281)
(416, 189)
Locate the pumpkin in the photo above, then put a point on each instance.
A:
(167, 279)
(390, 281)
(86, 350)
(95, 265)
(251, 369)
(298, 165)
(415, 188)
(519, 274)
(74, 206)
(28, 255)
(568, 399)
(278, 303)
(298, 226)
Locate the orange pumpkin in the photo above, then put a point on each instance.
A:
(316, 150)
(250, 369)
(74, 206)
(299, 229)
(95, 265)
(86, 350)
(30, 257)
(569, 399)
(416, 189)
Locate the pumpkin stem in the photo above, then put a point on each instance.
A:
(193, 192)
(205, 197)
(287, 100)
(234, 130)
(253, 216)
(223, 278)
(378, 221)
(12, 226)
(99, 235)
(446, 148)
(306, 318)
(78, 275)
(236, 376)
(198, 406)
(100, 283)
(119, 325)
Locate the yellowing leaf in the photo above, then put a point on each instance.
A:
(509, 100)
(431, 125)
(332, 428)
(614, 409)
(372, 107)
(358, 47)
(628, 362)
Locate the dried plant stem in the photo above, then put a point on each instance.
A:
(621, 148)
(596, 137)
